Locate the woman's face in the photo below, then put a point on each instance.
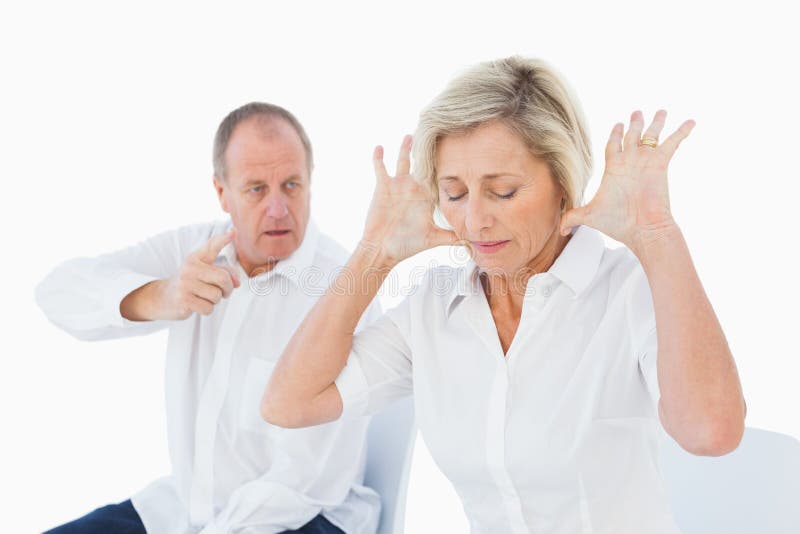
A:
(499, 197)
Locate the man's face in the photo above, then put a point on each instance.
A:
(265, 191)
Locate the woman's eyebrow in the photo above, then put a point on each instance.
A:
(485, 176)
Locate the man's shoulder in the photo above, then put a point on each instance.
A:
(191, 236)
(203, 230)
(329, 253)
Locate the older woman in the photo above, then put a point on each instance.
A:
(540, 370)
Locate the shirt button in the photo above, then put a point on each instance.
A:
(547, 291)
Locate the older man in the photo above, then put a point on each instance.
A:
(231, 293)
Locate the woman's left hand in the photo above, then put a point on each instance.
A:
(633, 198)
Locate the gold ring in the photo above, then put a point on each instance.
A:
(652, 142)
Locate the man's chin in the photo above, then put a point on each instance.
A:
(276, 254)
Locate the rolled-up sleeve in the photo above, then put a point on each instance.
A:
(378, 369)
(648, 357)
(642, 325)
(82, 295)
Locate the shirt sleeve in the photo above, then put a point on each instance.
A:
(642, 324)
(648, 357)
(378, 369)
(82, 295)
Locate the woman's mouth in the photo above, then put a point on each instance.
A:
(489, 247)
(277, 233)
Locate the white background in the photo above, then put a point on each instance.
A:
(107, 118)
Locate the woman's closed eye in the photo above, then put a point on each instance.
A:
(505, 196)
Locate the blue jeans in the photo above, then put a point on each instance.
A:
(122, 519)
(112, 519)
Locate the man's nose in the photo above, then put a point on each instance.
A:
(276, 206)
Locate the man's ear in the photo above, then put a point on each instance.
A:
(219, 187)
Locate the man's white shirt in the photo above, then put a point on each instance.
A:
(557, 436)
(231, 470)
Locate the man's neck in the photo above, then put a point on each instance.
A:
(252, 270)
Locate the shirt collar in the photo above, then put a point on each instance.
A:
(467, 283)
(577, 264)
(575, 267)
(296, 267)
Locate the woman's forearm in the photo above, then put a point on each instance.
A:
(302, 381)
(702, 405)
(301, 391)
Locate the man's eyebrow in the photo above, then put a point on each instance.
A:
(256, 182)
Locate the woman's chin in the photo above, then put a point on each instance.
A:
(493, 265)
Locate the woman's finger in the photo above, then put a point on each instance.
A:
(654, 130)
(404, 158)
(377, 162)
(573, 218)
(440, 237)
(670, 144)
(634, 131)
(614, 145)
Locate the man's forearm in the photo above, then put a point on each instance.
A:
(142, 304)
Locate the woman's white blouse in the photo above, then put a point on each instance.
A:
(560, 435)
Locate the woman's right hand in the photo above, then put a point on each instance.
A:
(400, 219)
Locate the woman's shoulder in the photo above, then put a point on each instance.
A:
(627, 284)
(429, 293)
(619, 268)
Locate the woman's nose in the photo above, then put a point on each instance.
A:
(276, 206)
(478, 216)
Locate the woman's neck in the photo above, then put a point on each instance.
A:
(506, 291)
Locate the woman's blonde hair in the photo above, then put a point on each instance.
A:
(531, 99)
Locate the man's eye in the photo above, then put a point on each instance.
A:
(256, 189)
(292, 185)
(454, 198)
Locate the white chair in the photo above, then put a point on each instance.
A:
(753, 490)
(390, 446)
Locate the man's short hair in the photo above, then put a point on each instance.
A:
(254, 109)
